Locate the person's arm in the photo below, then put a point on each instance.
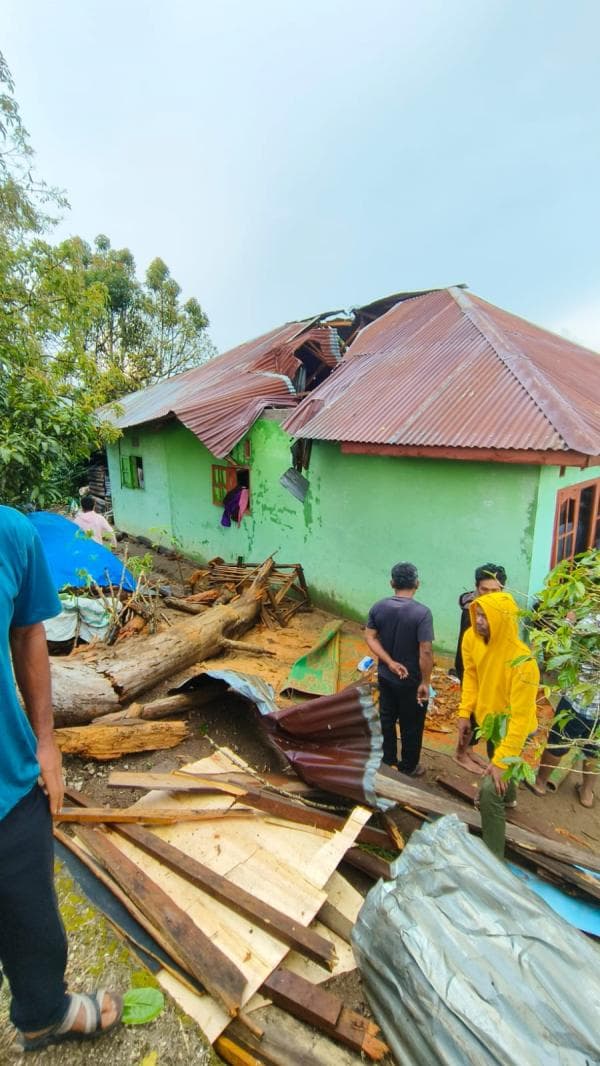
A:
(425, 666)
(107, 531)
(379, 651)
(32, 671)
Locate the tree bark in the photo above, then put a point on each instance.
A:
(110, 742)
(86, 690)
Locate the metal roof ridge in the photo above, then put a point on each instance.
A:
(528, 375)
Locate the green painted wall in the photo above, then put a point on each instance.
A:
(549, 484)
(361, 515)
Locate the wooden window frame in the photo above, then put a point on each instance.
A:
(130, 472)
(223, 479)
(572, 495)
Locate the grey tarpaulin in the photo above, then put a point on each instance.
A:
(463, 964)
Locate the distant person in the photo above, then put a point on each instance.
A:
(491, 577)
(400, 633)
(94, 524)
(491, 686)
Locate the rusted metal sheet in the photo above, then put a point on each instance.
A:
(219, 401)
(448, 369)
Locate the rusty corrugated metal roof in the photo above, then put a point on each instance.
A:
(220, 400)
(447, 369)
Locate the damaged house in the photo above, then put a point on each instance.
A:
(426, 426)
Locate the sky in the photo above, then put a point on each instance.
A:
(287, 158)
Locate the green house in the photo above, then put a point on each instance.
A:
(430, 427)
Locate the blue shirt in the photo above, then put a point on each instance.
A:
(27, 596)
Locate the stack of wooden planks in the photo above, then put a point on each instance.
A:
(240, 887)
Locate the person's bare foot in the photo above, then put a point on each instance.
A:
(467, 763)
(585, 794)
(537, 789)
(477, 758)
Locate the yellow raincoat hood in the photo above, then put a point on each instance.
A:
(490, 684)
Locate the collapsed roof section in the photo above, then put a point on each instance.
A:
(447, 374)
(220, 400)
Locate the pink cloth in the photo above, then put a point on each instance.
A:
(96, 524)
(243, 504)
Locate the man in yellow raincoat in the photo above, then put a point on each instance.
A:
(491, 686)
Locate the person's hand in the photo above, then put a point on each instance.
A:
(50, 760)
(423, 693)
(464, 731)
(496, 774)
(398, 668)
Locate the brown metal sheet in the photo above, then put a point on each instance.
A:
(448, 369)
(219, 401)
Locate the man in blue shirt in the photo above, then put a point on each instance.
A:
(33, 948)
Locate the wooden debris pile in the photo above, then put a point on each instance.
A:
(286, 594)
(239, 886)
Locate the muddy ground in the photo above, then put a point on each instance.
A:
(98, 955)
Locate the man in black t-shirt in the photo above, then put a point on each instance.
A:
(400, 633)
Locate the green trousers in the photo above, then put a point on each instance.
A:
(492, 808)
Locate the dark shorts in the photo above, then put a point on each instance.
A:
(575, 728)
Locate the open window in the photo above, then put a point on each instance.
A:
(577, 521)
(132, 472)
(227, 478)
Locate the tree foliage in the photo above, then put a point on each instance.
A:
(77, 328)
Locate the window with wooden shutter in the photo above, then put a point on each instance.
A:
(577, 521)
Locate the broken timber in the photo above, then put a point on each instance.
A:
(392, 786)
(324, 1011)
(200, 957)
(109, 742)
(279, 925)
(269, 803)
(114, 679)
(140, 816)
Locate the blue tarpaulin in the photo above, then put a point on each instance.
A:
(72, 556)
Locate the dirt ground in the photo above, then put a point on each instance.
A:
(94, 948)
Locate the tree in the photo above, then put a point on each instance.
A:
(77, 328)
(46, 420)
(177, 338)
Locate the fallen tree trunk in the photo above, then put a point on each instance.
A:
(110, 742)
(83, 690)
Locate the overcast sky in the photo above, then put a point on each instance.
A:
(286, 157)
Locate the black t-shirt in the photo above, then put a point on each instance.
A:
(402, 624)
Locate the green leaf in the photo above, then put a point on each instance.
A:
(142, 1005)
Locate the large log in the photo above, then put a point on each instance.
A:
(83, 690)
(110, 742)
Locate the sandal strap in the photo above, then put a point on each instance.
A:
(92, 1010)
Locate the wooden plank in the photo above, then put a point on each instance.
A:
(292, 933)
(273, 921)
(172, 782)
(280, 863)
(270, 803)
(199, 956)
(325, 1011)
(152, 816)
(232, 1053)
(310, 1003)
(568, 877)
(393, 786)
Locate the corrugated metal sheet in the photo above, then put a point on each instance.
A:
(447, 369)
(220, 400)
